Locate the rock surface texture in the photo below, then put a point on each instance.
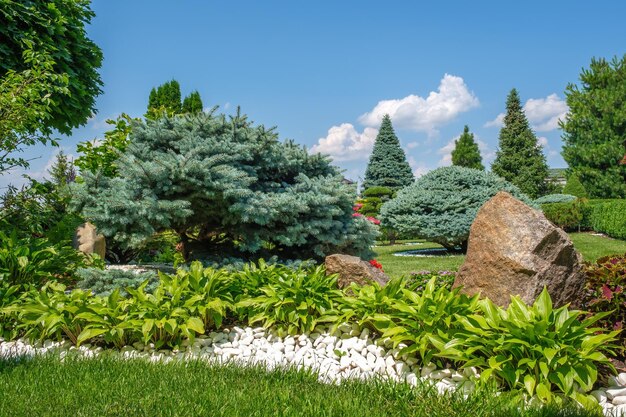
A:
(87, 240)
(354, 269)
(514, 249)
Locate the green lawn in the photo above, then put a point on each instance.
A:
(590, 246)
(108, 387)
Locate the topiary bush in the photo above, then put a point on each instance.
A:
(227, 187)
(574, 187)
(567, 216)
(555, 198)
(441, 205)
(610, 218)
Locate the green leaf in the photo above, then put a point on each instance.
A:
(88, 334)
(195, 324)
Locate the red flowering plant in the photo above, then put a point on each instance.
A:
(606, 279)
(356, 213)
(376, 264)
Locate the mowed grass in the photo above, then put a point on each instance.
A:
(109, 387)
(593, 247)
(589, 245)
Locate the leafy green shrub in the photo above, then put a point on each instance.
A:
(418, 280)
(567, 216)
(289, 300)
(441, 205)
(538, 349)
(555, 198)
(610, 218)
(35, 260)
(104, 281)
(606, 284)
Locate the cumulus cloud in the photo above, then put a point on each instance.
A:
(345, 143)
(497, 122)
(446, 153)
(542, 113)
(425, 114)
(542, 141)
(418, 169)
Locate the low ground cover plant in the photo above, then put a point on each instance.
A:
(104, 281)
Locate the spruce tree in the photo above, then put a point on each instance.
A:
(387, 166)
(466, 152)
(594, 130)
(192, 103)
(519, 159)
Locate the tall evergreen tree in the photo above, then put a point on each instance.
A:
(466, 152)
(192, 103)
(519, 159)
(387, 166)
(594, 130)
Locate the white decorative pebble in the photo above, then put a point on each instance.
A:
(619, 400)
(615, 392)
(599, 395)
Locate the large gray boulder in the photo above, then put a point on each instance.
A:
(514, 249)
(354, 269)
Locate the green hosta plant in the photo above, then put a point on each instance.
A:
(111, 318)
(9, 295)
(293, 301)
(423, 320)
(51, 313)
(361, 303)
(211, 293)
(534, 348)
(165, 314)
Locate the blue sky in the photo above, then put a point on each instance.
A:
(325, 72)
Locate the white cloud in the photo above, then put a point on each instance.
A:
(446, 153)
(497, 122)
(418, 169)
(542, 141)
(344, 143)
(425, 114)
(542, 113)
